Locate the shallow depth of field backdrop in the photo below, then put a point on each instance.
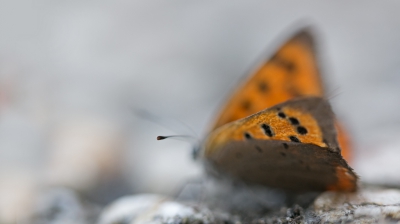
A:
(72, 72)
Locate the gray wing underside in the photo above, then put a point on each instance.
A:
(279, 164)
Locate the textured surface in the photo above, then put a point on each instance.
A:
(365, 206)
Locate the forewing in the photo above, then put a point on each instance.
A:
(290, 72)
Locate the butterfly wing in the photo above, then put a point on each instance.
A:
(291, 72)
(292, 145)
(285, 165)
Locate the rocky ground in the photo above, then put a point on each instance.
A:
(368, 205)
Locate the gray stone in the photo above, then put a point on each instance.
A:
(63, 206)
(151, 209)
(365, 206)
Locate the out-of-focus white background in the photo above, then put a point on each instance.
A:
(71, 72)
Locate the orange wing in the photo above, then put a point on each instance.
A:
(291, 72)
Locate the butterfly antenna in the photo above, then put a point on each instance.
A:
(192, 139)
(334, 93)
(144, 114)
(186, 138)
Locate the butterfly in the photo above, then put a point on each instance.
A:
(277, 130)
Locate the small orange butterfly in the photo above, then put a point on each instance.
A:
(277, 130)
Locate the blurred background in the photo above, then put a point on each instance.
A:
(73, 72)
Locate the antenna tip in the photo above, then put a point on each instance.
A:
(161, 137)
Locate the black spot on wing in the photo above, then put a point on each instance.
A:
(263, 86)
(258, 149)
(288, 65)
(267, 130)
(246, 105)
(294, 139)
(283, 154)
(282, 115)
(285, 145)
(247, 135)
(302, 130)
(293, 90)
(294, 121)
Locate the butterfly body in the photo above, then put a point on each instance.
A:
(277, 130)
